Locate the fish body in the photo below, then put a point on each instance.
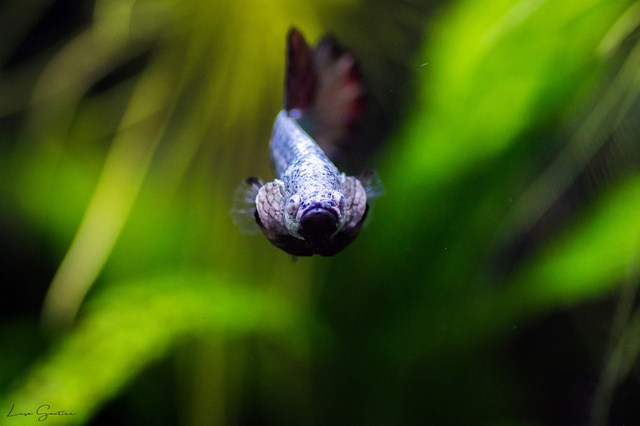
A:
(311, 207)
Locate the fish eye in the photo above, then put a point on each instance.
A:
(293, 204)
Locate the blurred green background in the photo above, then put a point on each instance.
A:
(495, 282)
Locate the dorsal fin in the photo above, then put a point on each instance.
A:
(300, 79)
(324, 89)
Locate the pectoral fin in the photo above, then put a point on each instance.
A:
(243, 210)
(270, 209)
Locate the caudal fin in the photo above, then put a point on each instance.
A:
(324, 89)
(300, 78)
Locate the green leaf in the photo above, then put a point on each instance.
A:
(597, 254)
(128, 325)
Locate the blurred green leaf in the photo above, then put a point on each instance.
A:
(599, 253)
(494, 70)
(130, 324)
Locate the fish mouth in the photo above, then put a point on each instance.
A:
(318, 223)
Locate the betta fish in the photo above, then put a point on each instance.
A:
(311, 207)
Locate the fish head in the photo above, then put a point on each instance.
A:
(324, 222)
(314, 217)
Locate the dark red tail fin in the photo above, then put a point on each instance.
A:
(323, 89)
(300, 78)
